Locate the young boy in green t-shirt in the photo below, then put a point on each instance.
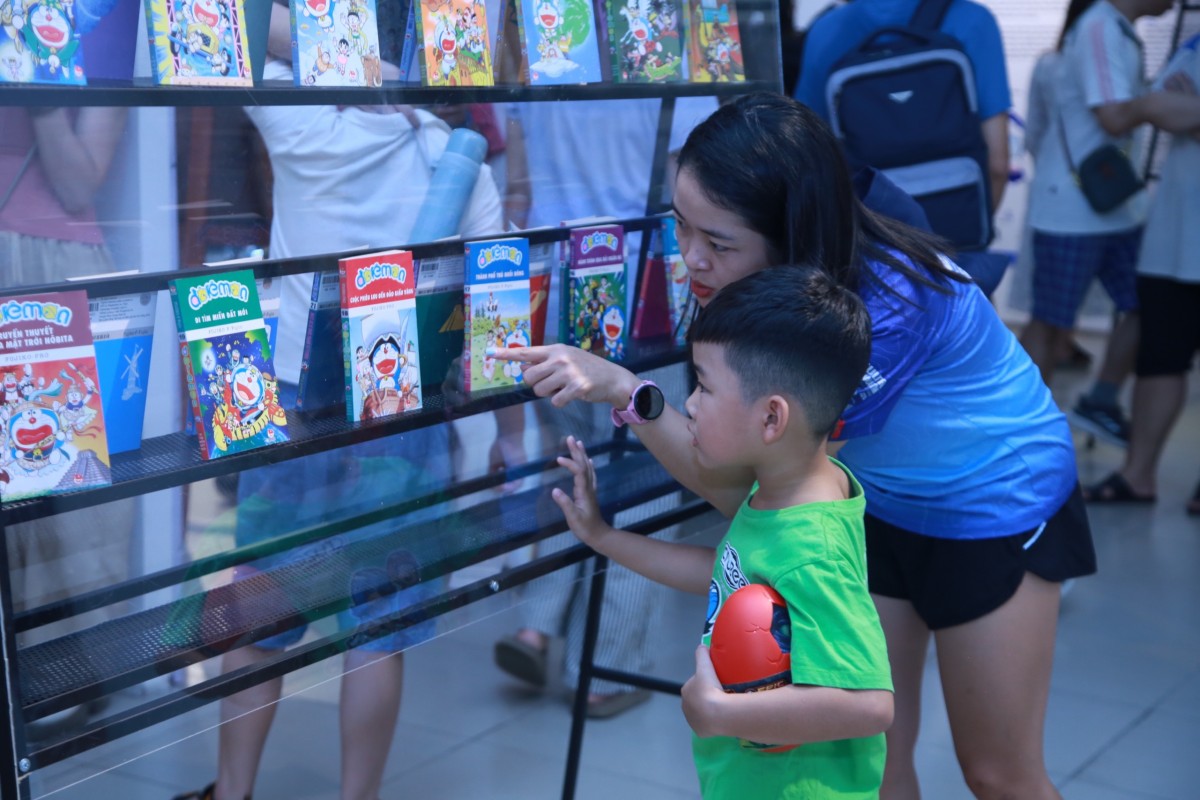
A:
(777, 356)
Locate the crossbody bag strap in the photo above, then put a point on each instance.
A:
(12, 187)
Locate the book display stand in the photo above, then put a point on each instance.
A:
(47, 672)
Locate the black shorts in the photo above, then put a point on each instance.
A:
(952, 581)
(1170, 323)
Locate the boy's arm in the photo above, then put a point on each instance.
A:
(787, 715)
(680, 566)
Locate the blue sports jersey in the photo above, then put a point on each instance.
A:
(835, 33)
(952, 431)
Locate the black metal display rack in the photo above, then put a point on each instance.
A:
(43, 678)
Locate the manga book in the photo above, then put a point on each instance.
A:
(123, 331)
(52, 429)
(496, 305)
(198, 42)
(381, 355)
(39, 43)
(644, 39)
(454, 44)
(228, 364)
(322, 382)
(596, 310)
(335, 43)
(714, 46)
(559, 41)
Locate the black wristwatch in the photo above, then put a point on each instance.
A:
(645, 405)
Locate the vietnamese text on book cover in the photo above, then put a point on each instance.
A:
(228, 364)
(123, 331)
(198, 42)
(496, 305)
(52, 428)
(381, 354)
(596, 312)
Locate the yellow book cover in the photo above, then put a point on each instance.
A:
(198, 42)
(454, 43)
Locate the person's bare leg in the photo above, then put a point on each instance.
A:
(907, 642)
(1043, 342)
(246, 719)
(1157, 404)
(996, 679)
(370, 705)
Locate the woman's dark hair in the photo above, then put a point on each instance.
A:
(777, 165)
(1074, 12)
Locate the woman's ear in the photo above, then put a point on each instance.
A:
(775, 416)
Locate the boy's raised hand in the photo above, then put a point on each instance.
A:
(580, 509)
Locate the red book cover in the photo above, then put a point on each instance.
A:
(52, 436)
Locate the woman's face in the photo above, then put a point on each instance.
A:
(717, 246)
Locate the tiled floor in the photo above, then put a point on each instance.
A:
(1124, 717)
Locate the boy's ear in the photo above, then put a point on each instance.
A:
(776, 415)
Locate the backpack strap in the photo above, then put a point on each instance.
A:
(929, 15)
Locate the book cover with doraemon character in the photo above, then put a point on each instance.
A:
(596, 311)
(335, 43)
(381, 353)
(227, 358)
(645, 39)
(454, 43)
(714, 44)
(199, 42)
(497, 309)
(560, 41)
(53, 437)
(39, 43)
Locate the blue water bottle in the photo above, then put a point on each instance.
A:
(450, 187)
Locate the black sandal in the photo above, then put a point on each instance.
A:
(1115, 489)
(207, 793)
(1193, 505)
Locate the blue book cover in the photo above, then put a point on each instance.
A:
(123, 330)
(561, 41)
(497, 309)
(322, 382)
(39, 43)
(335, 43)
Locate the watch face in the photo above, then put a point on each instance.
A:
(648, 401)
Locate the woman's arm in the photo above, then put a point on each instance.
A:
(787, 715)
(75, 158)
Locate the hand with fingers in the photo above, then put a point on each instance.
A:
(580, 508)
(564, 373)
(702, 695)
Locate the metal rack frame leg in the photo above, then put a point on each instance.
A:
(14, 768)
(587, 657)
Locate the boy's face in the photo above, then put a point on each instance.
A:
(721, 420)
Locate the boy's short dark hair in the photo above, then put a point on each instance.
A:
(791, 330)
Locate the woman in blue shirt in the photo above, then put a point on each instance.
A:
(973, 510)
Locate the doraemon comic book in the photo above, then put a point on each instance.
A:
(198, 42)
(335, 43)
(596, 314)
(227, 358)
(714, 44)
(645, 38)
(39, 43)
(455, 48)
(560, 41)
(496, 305)
(52, 432)
(381, 350)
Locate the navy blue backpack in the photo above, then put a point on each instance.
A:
(904, 102)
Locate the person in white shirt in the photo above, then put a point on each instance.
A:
(1099, 96)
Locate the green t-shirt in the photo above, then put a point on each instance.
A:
(814, 555)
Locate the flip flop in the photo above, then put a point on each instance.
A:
(521, 660)
(1115, 489)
